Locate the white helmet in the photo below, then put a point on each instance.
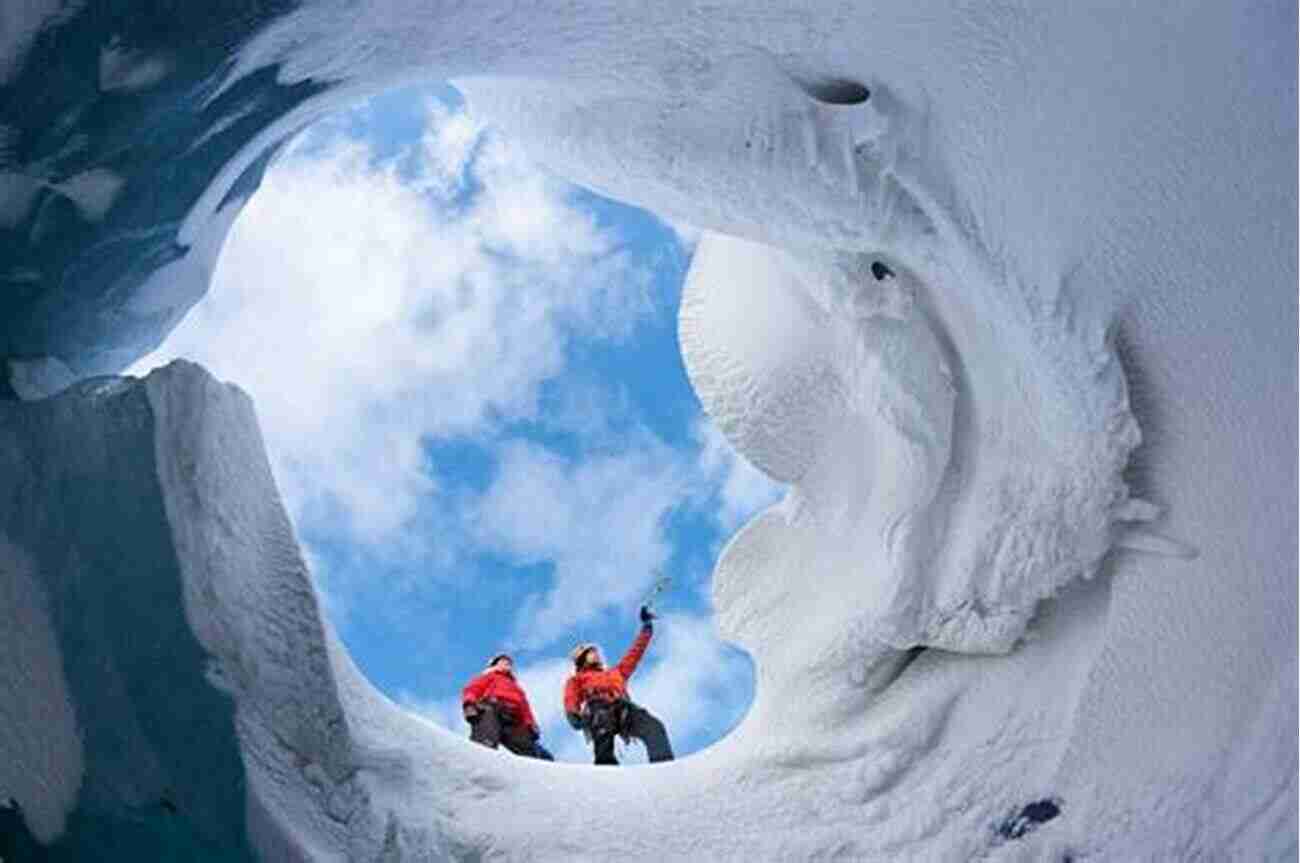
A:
(581, 650)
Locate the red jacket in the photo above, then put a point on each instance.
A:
(500, 686)
(601, 682)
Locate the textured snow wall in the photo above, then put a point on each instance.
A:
(899, 419)
(1006, 291)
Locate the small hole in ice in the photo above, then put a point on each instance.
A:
(837, 91)
(1032, 815)
(880, 271)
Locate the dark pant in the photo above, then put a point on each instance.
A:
(494, 726)
(608, 719)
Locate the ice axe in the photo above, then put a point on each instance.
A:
(661, 583)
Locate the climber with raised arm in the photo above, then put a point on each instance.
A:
(497, 710)
(596, 700)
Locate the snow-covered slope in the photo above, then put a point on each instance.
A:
(1006, 292)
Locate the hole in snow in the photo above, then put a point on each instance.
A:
(837, 91)
(467, 376)
(1029, 818)
(880, 271)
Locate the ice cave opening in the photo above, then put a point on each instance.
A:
(955, 264)
(474, 339)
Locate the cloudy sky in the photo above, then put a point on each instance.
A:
(468, 377)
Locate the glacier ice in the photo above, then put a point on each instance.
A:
(989, 284)
(918, 488)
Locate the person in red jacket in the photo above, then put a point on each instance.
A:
(497, 711)
(596, 700)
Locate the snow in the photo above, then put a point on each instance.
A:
(1040, 538)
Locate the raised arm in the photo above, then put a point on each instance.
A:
(632, 658)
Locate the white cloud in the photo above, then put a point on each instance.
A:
(449, 141)
(363, 316)
(599, 521)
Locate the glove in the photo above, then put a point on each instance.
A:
(575, 720)
(647, 616)
(472, 712)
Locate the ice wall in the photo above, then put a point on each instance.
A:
(1006, 291)
(118, 740)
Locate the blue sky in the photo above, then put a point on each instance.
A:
(468, 377)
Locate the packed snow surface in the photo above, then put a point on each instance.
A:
(1005, 292)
